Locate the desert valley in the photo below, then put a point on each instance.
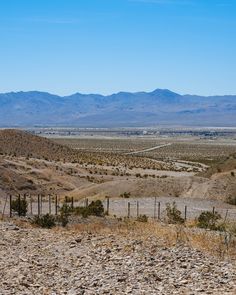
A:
(140, 174)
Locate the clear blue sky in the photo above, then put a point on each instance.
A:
(105, 46)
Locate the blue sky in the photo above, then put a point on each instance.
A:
(106, 46)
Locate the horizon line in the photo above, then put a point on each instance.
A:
(113, 93)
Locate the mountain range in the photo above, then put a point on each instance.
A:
(159, 107)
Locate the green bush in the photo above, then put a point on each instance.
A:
(125, 195)
(208, 220)
(81, 211)
(65, 211)
(20, 206)
(45, 221)
(94, 208)
(231, 200)
(142, 218)
(173, 214)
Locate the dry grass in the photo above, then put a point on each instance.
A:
(217, 244)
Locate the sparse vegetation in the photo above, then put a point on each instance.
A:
(209, 220)
(142, 218)
(231, 200)
(94, 208)
(125, 195)
(173, 214)
(44, 221)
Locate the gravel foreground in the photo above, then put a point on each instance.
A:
(38, 261)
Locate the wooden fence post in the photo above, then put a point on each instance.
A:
(159, 210)
(213, 210)
(31, 206)
(72, 202)
(49, 204)
(108, 205)
(128, 209)
(185, 213)
(137, 208)
(41, 204)
(56, 205)
(19, 205)
(10, 206)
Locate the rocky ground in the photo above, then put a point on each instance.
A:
(62, 261)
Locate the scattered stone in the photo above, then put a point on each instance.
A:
(38, 261)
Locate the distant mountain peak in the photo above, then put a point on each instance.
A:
(165, 92)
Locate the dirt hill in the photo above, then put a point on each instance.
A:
(27, 166)
(224, 165)
(20, 143)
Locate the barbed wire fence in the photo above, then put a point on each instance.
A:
(152, 207)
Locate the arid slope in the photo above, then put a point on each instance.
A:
(32, 164)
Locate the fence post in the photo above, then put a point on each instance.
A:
(159, 210)
(19, 205)
(185, 213)
(31, 206)
(108, 205)
(72, 202)
(49, 203)
(10, 206)
(213, 210)
(128, 209)
(137, 208)
(56, 205)
(41, 204)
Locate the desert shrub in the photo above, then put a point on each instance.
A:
(95, 208)
(83, 211)
(125, 195)
(173, 214)
(231, 200)
(20, 206)
(45, 221)
(208, 220)
(65, 211)
(142, 218)
(232, 173)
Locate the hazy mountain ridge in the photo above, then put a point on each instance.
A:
(120, 109)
